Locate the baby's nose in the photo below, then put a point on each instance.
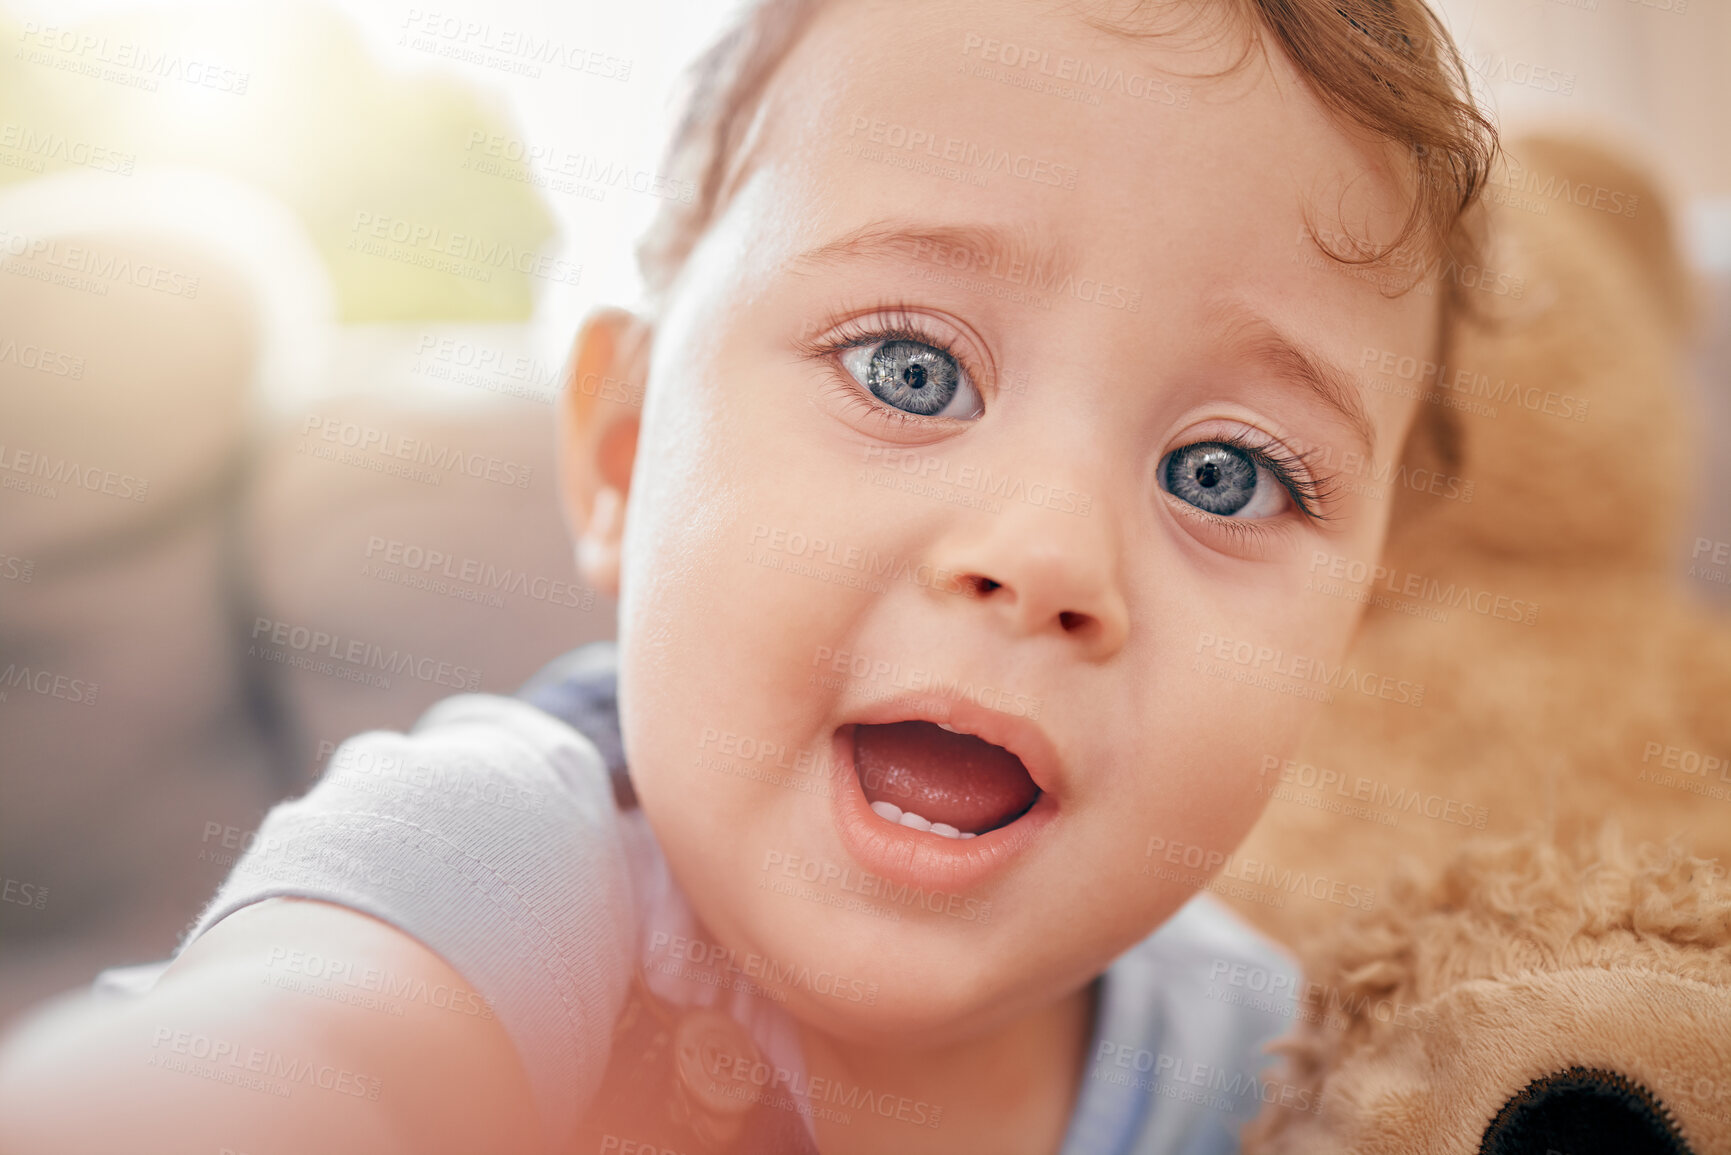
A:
(1043, 571)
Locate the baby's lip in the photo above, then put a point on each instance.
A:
(1020, 735)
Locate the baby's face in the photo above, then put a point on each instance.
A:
(986, 407)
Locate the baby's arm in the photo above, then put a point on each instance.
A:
(104, 1073)
(459, 976)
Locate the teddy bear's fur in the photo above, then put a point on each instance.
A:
(1615, 698)
(1514, 962)
(1491, 975)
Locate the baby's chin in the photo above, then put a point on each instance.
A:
(915, 1010)
(909, 984)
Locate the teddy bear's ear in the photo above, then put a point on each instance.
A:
(1558, 412)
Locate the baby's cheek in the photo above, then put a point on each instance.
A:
(1227, 714)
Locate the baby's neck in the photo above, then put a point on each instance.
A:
(1010, 1091)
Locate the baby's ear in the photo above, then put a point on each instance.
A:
(598, 420)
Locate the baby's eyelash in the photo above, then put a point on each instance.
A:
(892, 322)
(852, 397)
(852, 328)
(847, 329)
(1310, 492)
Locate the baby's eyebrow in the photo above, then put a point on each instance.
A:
(1256, 338)
(976, 246)
(1246, 332)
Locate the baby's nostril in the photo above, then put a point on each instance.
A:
(1583, 1111)
(1072, 621)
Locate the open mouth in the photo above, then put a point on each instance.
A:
(927, 776)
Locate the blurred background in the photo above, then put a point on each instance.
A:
(285, 294)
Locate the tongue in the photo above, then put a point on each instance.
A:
(958, 779)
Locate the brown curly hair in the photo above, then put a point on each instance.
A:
(1388, 67)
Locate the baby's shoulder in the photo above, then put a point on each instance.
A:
(1212, 976)
(558, 735)
(1178, 1059)
(1206, 942)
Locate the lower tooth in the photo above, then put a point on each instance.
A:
(890, 812)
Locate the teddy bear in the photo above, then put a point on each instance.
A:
(1532, 603)
(1519, 999)
(1471, 985)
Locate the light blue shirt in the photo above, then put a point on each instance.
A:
(1176, 1062)
(490, 833)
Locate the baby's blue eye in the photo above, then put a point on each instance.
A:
(914, 377)
(1223, 480)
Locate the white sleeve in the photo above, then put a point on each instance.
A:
(489, 833)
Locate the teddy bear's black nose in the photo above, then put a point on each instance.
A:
(1583, 1111)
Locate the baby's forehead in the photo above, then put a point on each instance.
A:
(1174, 156)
